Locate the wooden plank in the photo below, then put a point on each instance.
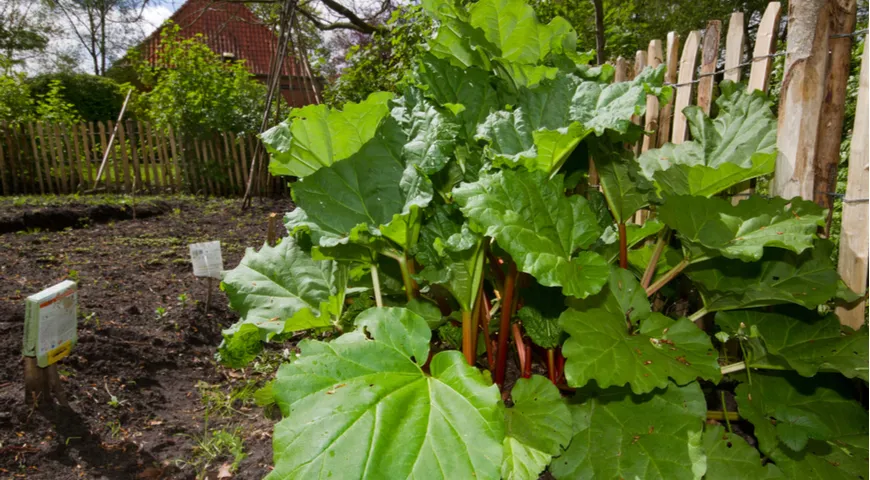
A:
(802, 95)
(193, 165)
(11, 162)
(214, 148)
(735, 40)
(76, 155)
(170, 169)
(208, 187)
(654, 59)
(843, 17)
(237, 165)
(621, 71)
(765, 44)
(243, 157)
(709, 58)
(232, 166)
(91, 133)
(59, 157)
(213, 165)
(640, 60)
(666, 116)
(36, 162)
(156, 170)
(5, 169)
(854, 236)
(87, 153)
(134, 153)
(47, 159)
(139, 147)
(125, 158)
(28, 183)
(179, 162)
(688, 60)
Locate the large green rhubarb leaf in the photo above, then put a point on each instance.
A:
(353, 198)
(729, 457)
(601, 348)
(739, 144)
(452, 255)
(624, 187)
(794, 417)
(713, 226)
(278, 290)
(365, 406)
(317, 136)
(543, 230)
(803, 341)
(431, 132)
(656, 436)
(809, 279)
(537, 427)
(621, 296)
(544, 331)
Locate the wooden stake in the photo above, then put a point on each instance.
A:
(709, 58)
(112, 139)
(270, 234)
(734, 43)
(803, 93)
(667, 110)
(854, 246)
(688, 60)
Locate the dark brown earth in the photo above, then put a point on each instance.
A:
(170, 394)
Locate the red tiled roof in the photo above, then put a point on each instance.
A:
(228, 28)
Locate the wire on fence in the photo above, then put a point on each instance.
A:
(846, 35)
(735, 67)
(841, 196)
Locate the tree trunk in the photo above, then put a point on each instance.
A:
(599, 30)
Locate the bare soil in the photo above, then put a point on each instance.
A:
(158, 366)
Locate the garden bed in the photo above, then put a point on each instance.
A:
(138, 342)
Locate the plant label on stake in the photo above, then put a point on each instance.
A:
(207, 262)
(50, 331)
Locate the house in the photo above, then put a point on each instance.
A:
(232, 31)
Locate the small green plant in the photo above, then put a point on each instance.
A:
(91, 318)
(160, 312)
(73, 275)
(223, 401)
(182, 300)
(214, 446)
(114, 428)
(114, 401)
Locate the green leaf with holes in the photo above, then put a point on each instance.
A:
(364, 405)
(317, 136)
(713, 226)
(808, 279)
(544, 231)
(278, 290)
(655, 436)
(602, 348)
(807, 425)
(537, 427)
(729, 457)
(801, 340)
(738, 145)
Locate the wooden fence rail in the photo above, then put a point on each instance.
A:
(43, 158)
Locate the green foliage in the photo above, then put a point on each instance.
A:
(15, 103)
(96, 99)
(53, 108)
(456, 197)
(382, 63)
(192, 90)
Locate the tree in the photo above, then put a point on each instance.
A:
(104, 28)
(24, 31)
(97, 99)
(194, 91)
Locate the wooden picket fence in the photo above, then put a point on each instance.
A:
(811, 109)
(50, 158)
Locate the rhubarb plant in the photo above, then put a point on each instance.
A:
(469, 307)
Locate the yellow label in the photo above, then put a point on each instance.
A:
(59, 352)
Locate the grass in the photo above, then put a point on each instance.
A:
(214, 446)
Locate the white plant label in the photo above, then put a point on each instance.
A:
(51, 326)
(207, 260)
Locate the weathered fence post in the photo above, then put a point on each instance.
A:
(803, 92)
(854, 244)
(843, 15)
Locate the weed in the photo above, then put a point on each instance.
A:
(114, 401)
(114, 428)
(214, 446)
(160, 312)
(225, 403)
(73, 275)
(182, 300)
